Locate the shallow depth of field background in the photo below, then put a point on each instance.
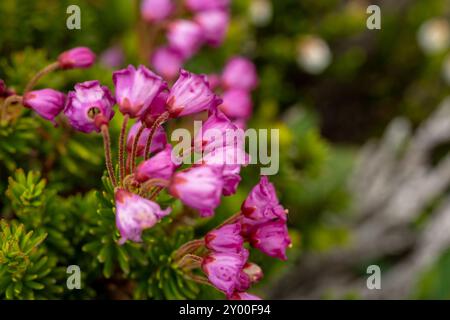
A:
(332, 87)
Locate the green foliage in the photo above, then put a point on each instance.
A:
(433, 282)
(149, 264)
(42, 24)
(39, 208)
(21, 66)
(159, 277)
(27, 196)
(16, 140)
(81, 230)
(26, 270)
(104, 237)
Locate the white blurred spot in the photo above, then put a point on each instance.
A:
(434, 35)
(261, 12)
(313, 54)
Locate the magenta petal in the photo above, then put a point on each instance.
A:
(199, 187)
(202, 5)
(222, 145)
(157, 108)
(214, 132)
(185, 36)
(190, 94)
(223, 270)
(135, 214)
(167, 62)
(237, 104)
(156, 10)
(159, 140)
(262, 202)
(48, 103)
(225, 239)
(231, 179)
(230, 155)
(271, 238)
(214, 24)
(89, 106)
(243, 296)
(240, 123)
(243, 282)
(248, 225)
(80, 57)
(214, 81)
(160, 166)
(240, 73)
(136, 89)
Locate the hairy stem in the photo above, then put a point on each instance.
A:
(231, 219)
(189, 262)
(188, 247)
(128, 166)
(108, 159)
(123, 132)
(155, 193)
(50, 68)
(159, 121)
(156, 182)
(193, 245)
(135, 147)
(152, 187)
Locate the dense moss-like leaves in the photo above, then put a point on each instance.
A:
(26, 269)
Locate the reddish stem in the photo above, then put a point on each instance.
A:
(158, 122)
(50, 68)
(135, 147)
(108, 159)
(188, 247)
(123, 132)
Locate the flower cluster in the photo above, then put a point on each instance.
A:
(220, 148)
(261, 223)
(147, 163)
(226, 263)
(49, 103)
(206, 23)
(264, 220)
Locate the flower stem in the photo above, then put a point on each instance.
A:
(123, 132)
(231, 219)
(193, 245)
(128, 166)
(199, 279)
(158, 182)
(8, 101)
(108, 159)
(50, 68)
(188, 247)
(159, 121)
(152, 187)
(189, 262)
(155, 192)
(135, 147)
